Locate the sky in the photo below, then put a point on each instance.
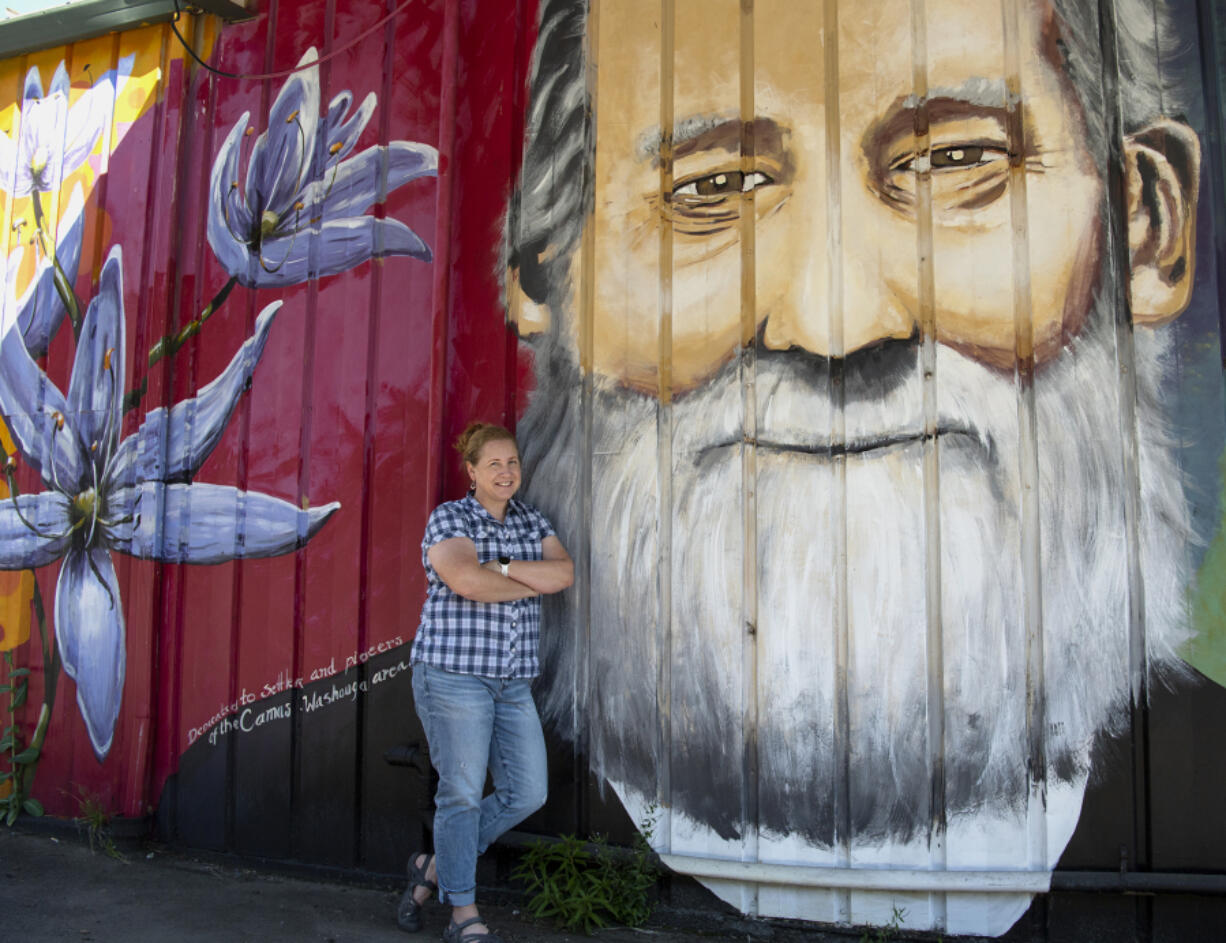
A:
(22, 7)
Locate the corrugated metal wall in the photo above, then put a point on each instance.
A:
(866, 356)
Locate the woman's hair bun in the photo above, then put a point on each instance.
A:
(477, 435)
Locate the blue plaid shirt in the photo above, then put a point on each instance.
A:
(492, 639)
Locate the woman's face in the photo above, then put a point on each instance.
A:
(495, 475)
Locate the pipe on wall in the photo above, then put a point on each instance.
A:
(917, 879)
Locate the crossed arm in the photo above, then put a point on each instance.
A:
(455, 561)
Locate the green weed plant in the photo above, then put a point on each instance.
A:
(889, 931)
(588, 886)
(20, 758)
(96, 821)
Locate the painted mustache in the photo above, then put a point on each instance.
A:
(820, 447)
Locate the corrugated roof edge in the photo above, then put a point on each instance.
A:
(74, 22)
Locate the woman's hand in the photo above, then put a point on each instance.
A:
(549, 575)
(455, 561)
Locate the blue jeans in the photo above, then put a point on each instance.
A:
(471, 721)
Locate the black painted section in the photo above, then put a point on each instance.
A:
(332, 805)
(1187, 773)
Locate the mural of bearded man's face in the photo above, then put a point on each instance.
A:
(861, 464)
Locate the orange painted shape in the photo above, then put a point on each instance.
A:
(16, 591)
(16, 587)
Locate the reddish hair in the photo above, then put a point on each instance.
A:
(477, 436)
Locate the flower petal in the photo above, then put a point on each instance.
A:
(41, 308)
(204, 523)
(41, 148)
(36, 413)
(10, 308)
(95, 391)
(8, 160)
(14, 178)
(340, 246)
(34, 530)
(34, 84)
(91, 114)
(172, 446)
(89, 628)
(59, 81)
(342, 133)
(282, 155)
(122, 72)
(85, 121)
(356, 184)
(230, 223)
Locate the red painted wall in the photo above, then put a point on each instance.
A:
(366, 376)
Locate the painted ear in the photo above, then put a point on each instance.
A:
(1162, 163)
(528, 317)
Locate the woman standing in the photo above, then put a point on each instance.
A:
(488, 557)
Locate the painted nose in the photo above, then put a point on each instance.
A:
(836, 297)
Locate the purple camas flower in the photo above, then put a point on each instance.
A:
(301, 213)
(132, 495)
(54, 138)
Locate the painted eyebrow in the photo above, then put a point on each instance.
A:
(977, 90)
(975, 98)
(709, 132)
(722, 131)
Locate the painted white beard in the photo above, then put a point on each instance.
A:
(805, 589)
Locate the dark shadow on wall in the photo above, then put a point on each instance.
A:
(334, 776)
(304, 776)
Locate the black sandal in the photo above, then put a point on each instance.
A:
(455, 933)
(409, 914)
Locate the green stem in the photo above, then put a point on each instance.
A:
(51, 655)
(62, 285)
(169, 345)
(51, 677)
(51, 661)
(8, 674)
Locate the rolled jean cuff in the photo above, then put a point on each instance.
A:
(457, 899)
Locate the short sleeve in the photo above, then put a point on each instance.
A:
(446, 521)
(543, 527)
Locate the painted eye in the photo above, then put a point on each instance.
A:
(725, 183)
(965, 155)
(955, 157)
